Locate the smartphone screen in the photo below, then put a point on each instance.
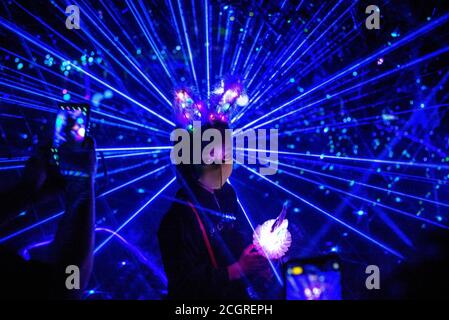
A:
(71, 127)
(71, 124)
(313, 279)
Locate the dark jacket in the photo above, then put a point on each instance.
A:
(187, 263)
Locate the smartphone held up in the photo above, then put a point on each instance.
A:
(71, 129)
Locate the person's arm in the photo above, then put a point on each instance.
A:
(13, 201)
(251, 261)
(29, 188)
(74, 239)
(180, 241)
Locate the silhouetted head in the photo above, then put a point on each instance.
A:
(214, 152)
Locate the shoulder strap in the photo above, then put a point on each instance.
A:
(205, 237)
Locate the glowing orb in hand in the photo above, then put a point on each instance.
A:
(273, 244)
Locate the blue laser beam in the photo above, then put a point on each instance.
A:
(341, 222)
(127, 221)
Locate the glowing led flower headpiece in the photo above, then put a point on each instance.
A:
(225, 97)
(188, 108)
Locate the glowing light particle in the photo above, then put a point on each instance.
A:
(81, 132)
(395, 34)
(360, 213)
(108, 94)
(308, 293)
(297, 270)
(388, 117)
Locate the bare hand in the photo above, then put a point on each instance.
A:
(250, 263)
(80, 158)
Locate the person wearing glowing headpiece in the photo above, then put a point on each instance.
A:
(204, 238)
